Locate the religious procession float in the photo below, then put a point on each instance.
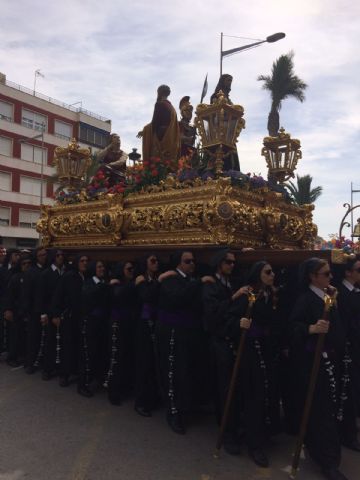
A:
(179, 194)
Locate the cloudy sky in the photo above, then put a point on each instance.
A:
(112, 56)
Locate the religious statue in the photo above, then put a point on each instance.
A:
(161, 137)
(356, 232)
(113, 160)
(224, 84)
(187, 131)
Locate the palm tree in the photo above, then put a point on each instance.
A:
(282, 83)
(302, 193)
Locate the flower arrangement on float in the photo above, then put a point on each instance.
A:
(334, 242)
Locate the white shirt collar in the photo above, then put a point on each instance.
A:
(181, 273)
(96, 279)
(320, 293)
(54, 268)
(225, 281)
(350, 286)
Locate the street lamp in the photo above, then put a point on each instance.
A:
(224, 53)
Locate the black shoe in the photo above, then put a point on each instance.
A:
(142, 411)
(13, 363)
(354, 445)
(259, 457)
(176, 423)
(333, 474)
(30, 370)
(64, 382)
(46, 376)
(84, 391)
(115, 401)
(231, 444)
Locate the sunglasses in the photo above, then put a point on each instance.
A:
(27, 262)
(129, 269)
(187, 261)
(326, 274)
(153, 260)
(268, 272)
(229, 262)
(59, 255)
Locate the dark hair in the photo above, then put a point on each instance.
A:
(77, 260)
(91, 268)
(219, 257)
(163, 90)
(141, 267)
(9, 252)
(118, 271)
(221, 86)
(52, 254)
(311, 266)
(254, 277)
(176, 257)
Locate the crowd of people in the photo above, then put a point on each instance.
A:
(169, 336)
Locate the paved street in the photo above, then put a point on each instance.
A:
(51, 433)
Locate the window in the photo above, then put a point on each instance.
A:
(28, 218)
(33, 120)
(31, 186)
(88, 134)
(5, 181)
(4, 217)
(63, 130)
(31, 153)
(6, 111)
(6, 146)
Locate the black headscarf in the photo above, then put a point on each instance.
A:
(255, 273)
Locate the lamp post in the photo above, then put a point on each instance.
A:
(224, 53)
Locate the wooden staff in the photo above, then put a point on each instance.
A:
(329, 302)
(234, 375)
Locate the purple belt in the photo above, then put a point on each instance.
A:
(148, 312)
(181, 319)
(310, 345)
(258, 331)
(119, 313)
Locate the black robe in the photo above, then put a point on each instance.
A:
(181, 343)
(322, 438)
(66, 304)
(258, 363)
(95, 299)
(147, 361)
(120, 375)
(5, 275)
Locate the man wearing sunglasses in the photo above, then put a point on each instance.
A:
(218, 297)
(180, 337)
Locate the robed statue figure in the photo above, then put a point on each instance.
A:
(161, 137)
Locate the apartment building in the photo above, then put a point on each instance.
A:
(31, 127)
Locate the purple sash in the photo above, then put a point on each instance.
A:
(180, 319)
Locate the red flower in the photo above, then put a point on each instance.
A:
(157, 160)
(146, 163)
(155, 173)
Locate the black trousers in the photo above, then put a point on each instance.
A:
(16, 330)
(180, 352)
(70, 345)
(33, 339)
(147, 366)
(93, 350)
(49, 362)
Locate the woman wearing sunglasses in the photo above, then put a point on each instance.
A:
(256, 363)
(146, 380)
(119, 377)
(306, 322)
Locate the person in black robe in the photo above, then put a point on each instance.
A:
(66, 308)
(307, 321)
(35, 335)
(7, 269)
(349, 309)
(256, 370)
(146, 373)
(180, 339)
(95, 298)
(120, 375)
(49, 280)
(15, 312)
(218, 296)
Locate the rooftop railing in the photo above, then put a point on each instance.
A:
(55, 102)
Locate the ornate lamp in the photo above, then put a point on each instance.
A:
(134, 156)
(282, 154)
(72, 163)
(219, 126)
